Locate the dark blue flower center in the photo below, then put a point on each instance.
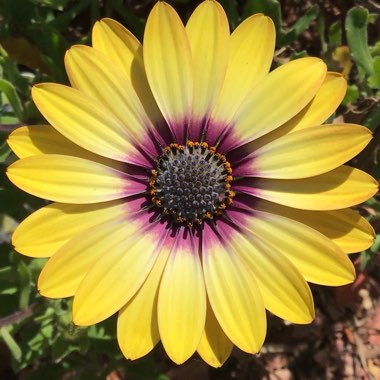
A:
(191, 183)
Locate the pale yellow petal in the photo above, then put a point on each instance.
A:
(94, 74)
(137, 325)
(342, 187)
(321, 107)
(278, 97)
(86, 122)
(34, 140)
(127, 255)
(346, 228)
(208, 33)
(168, 66)
(71, 179)
(285, 292)
(233, 293)
(64, 271)
(314, 255)
(45, 231)
(214, 347)
(119, 44)
(182, 301)
(124, 49)
(251, 54)
(310, 151)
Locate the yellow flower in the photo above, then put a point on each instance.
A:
(192, 188)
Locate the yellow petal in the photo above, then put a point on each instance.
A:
(279, 97)
(208, 33)
(233, 293)
(119, 44)
(314, 255)
(137, 325)
(48, 229)
(182, 301)
(342, 187)
(251, 54)
(168, 66)
(284, 290)
(96, 75)
(70, 179)
(126, 256)
(346, 228)
(34, 140)
(86, 122)
(310, 151)
(321, 107)
(64, 271)
(214, 346)
(123, 48)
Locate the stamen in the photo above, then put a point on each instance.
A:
(191, 183)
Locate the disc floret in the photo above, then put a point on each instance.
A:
(191, 183)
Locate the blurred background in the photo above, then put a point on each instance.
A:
(37, 338)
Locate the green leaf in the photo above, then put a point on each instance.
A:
(53, 46)
(62, 21)
(376, 245)
(375, 49)
(352, 95)
(61, 348)
(304, 21)
(230, 6)
(367, 257)
(10, 92)
(55, 4)
(335, 34)
(25, 285)
(356, 30)
(10, 290)
(7, 273)
(321, 27)
(42, 339)
(271, 8)
(14, 348)
(372, 121)
(5, 151)
(374, 79)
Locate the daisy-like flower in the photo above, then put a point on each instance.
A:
(192, 188)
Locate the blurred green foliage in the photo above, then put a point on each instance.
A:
(34, 35)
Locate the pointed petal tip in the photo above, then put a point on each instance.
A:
(49, 291)
(319, 65)
(336, 74)
(307, 317)
(132, 354)
(213, 361)
(82, 320)
(348, 276)
(38, 89)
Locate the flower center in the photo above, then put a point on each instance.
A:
(191, 183)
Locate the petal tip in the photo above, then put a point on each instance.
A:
(80, 320)
(214, 362)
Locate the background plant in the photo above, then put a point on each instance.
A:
(37, 338)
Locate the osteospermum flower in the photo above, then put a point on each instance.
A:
(192, 188)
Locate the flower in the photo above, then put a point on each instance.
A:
(192, 188)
